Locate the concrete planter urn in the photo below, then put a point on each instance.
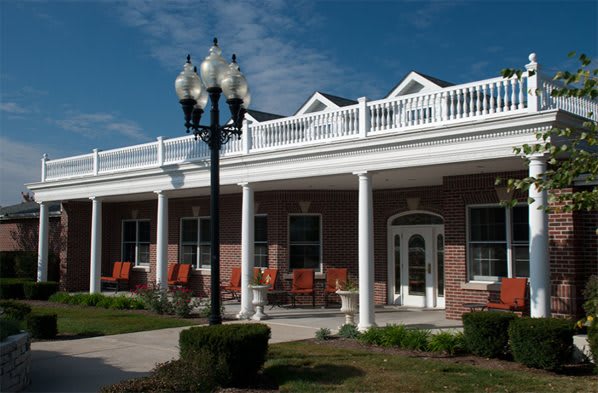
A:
(260, 299)
(349, 305)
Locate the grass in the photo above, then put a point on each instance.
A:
(310, 367)
(94, 321)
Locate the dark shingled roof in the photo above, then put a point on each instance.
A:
(263, 116)
(340, 101)
(27, 209)
(436, 81)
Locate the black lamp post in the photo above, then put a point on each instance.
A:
(216, 77)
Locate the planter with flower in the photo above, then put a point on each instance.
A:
(259, 287)
(349, 294)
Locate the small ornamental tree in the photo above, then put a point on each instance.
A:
(572, 153)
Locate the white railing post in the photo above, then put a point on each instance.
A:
(246, 137)
(160, 140)
(44, 170)
(96, 165)
(533, 92)
(364, 117)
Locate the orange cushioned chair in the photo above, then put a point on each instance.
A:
(303, 285)
(512, 295)
(115, 275)
(173, 270)
(335, 277)
(182, 275)
(233, 287)
(269, 278)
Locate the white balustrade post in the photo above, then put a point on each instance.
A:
(42, 250)
(364, 117)
(96, 166)
(162, 242)
(160, 141)
(44, 170)
(96, 246)
(538, 244)
(534, 100)
(247, 251)
(246, 137)
(366, 252)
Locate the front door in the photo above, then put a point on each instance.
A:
(416, 266)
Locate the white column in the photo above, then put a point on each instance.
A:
(162, 242)
(247, 251)
(538, 244)
(96, 245)
(42, 250)
(366, 252)
(364, 117)
(533, 84)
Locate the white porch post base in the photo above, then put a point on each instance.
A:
(366, 252)
(247, 252)
(538, 245)
(162, 242)
(96, 246)
(42, 251)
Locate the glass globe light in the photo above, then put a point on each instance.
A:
(246, 100)
(233, 83)
(202, 100)
(187, 84)
(213, 67)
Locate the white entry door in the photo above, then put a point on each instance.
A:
(416, 266)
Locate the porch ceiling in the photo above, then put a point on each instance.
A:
(397, 178)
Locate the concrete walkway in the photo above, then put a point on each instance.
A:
(85, 365)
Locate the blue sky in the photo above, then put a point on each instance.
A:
(78, 75)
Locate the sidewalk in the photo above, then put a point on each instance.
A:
(85, 365)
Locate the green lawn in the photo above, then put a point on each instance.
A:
(96, 321)
(312, 367)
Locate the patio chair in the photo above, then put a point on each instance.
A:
(182, 275)
(173, 270)
(233, 286)
(303, 285)
(269, 278)
(335, 277)
(115, 275)
(512, 295)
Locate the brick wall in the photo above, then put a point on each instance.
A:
(75, 253)
(23, 234)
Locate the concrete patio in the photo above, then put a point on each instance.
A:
(85, 365)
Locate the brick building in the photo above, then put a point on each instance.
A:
(400, 190)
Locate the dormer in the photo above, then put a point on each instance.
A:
(254, 116)
(416, 82)
(321, 101)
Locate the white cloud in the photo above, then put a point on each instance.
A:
(12, 107)
(265, 35)
(93, 125)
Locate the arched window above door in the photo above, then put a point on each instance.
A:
(418, 219)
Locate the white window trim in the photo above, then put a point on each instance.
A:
(122, 241)
(195, 264)
(267, 242)
(321, 267)
(508, 240)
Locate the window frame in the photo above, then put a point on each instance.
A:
(262, 243)
(320, 268)
(197, 243)
(508, 242)
(136, 242)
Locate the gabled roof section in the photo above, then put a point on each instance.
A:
(416, 82)
(259, 116)
(27, 210)
(322, 101)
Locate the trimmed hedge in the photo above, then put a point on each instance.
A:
(486, 333)
(43, 326)
(544, 343)
(12, 288)
(14, 310)
(240, 348)
(40, 290)
(593, 341)
(9, 327)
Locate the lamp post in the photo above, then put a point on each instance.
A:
(217, 77)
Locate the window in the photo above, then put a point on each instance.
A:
(261, 241)
(136, 241)
(498, 242)
(195, 242)
(305, 242)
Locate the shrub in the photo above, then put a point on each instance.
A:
(153, 299)
(43, 326)
(416, 339)
(447, 342)
(7, 264)
(39, 290)
(12, 288)
(14, 310)
(323, 334)
(205, 309)
(8, 327)
(544, 343)
(241, 348)
(26, 264)
(392, 335)
(486, 333)
(60, 297)
(182, 302)
(593, 341)
(349, 331)
(373, 336)
(124, 303)
(590, 294)
(91, 299)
